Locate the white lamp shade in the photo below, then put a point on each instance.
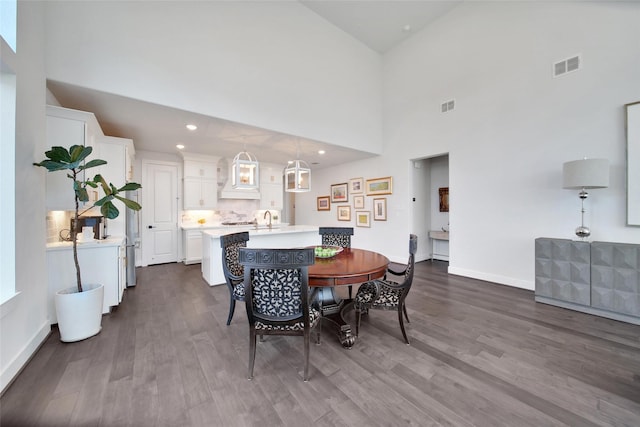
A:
(297, 177)
(245, 174)
(586, 173)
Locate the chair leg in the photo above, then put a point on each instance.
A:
(306, 355)
(404, 308)
(358, 315)
(232, 309)
(404, 333)
(252, 351)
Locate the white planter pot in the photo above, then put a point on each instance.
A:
(79, 313)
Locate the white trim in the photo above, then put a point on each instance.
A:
(501, 280)
(14, 367)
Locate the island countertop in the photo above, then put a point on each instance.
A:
(217, 232)
(290, 236)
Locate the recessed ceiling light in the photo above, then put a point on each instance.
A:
(321, 151)
(192, 127)
(180, 146)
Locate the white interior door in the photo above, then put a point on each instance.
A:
(159, 212)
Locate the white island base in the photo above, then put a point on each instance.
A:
(293, 236)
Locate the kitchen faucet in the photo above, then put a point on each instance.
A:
(265, 217)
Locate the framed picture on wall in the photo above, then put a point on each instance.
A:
(344, 213)
(379, 186)
(363, 218)
(356, 185)
(324, 204)
(358, 202)
(443, 192)
(340, 193)
(380, 209)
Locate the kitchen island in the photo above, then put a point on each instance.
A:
(291, 236)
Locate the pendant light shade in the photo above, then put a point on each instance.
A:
(245, 174)
(297, 176)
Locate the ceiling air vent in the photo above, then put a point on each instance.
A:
(566, 66)
(448, 106)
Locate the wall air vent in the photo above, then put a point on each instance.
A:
(448, 106)
(567, 65)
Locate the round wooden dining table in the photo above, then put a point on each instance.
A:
(350, 267)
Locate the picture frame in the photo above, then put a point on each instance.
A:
(339, 193)
(363, 218)
(358, 202)
(324, 203)
(380, 209)
(379, 186)
(443, 192)
(344, 213)
(356, 185)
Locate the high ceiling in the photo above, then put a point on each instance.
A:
(379, 25)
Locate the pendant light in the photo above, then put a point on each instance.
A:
(297, 175)
(245, 172)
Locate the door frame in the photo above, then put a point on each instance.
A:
(145, 219)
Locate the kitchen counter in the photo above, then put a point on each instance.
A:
(289, 236)
(110, 241)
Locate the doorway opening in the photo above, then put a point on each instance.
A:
(430, 207)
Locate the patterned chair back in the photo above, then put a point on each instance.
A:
(276, 283)
(336, 236)
(230, 245)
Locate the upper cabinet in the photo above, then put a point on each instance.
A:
(271, 190)
(200, 182)
(66, 127)
(118, 153)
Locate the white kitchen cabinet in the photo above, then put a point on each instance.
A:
(200, 194)
(101, 262)
(271, 189)
(65, 128)
(200, 184)
(192, 246)
(114, 151)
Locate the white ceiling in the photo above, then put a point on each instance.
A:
(378, 24)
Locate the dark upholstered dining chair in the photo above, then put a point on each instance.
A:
(277, 296)
(388, 295)
(233, 271)
(336, 236)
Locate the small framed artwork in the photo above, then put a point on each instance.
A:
(324, 204)
(340, 193)
(379, 186)
(363, 218)
(356, 185)
(380, 209)
(344, 213)
(358, 202)
(444, 199)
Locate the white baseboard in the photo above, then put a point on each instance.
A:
(502, 280)
(20, 361)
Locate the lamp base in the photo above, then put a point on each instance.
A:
(583, 232)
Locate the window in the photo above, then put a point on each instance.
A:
(7, 152)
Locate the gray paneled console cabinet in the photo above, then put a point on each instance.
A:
(598, 278)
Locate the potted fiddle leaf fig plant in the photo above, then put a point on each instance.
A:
(79, 308)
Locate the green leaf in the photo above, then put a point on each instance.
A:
(53, 165)
(79, 153)
(130, 186)
(82, 194)
(104, 200)
(59, 154)
(108, 210)
(129, 203)
(93, 163)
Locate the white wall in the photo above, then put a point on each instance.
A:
(275, 65)
(24, 324)
(514, 125)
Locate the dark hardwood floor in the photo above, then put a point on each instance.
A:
(481, 355)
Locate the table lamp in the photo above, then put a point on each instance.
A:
(582, 175)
